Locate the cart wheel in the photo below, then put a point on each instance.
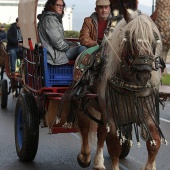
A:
(126, 145)
(26, 127)
(4, 93)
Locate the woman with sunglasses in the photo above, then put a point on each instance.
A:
(51, 34)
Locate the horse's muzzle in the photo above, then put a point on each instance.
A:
(142, 77)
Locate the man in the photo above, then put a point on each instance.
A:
(3, 35)
(94, 27)
(14, 42)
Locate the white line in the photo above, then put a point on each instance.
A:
(165, 120)
(76, 135)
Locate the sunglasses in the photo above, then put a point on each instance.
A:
(58, 5)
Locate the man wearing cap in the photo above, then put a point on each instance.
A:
(3, 34)
(94, 27)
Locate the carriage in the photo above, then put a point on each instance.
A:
(43, 87)
(14, 84)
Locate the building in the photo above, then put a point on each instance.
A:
(9, 12)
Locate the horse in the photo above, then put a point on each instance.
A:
(118, 88)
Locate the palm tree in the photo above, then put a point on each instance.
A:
(161, 17)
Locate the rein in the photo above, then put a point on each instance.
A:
(143, 59)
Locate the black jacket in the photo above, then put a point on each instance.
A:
(12, 36)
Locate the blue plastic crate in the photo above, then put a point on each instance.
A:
(57, 75)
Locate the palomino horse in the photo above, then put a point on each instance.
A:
(125, 76)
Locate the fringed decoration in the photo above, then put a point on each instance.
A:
(68, 125)
(57, 120)
(69, 99)
(130, 107)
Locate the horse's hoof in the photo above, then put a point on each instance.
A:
(148, 168)
(83, 164)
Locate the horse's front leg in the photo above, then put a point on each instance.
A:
(84, 157)
(114, 148)
(98, 159)
(152, 149)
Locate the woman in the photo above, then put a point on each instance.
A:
(51, 34)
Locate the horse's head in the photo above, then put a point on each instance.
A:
(141, 48)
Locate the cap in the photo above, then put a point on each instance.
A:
(102, 2)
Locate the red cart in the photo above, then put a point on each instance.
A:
(43, 86)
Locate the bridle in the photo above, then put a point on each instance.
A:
(134, 62)
(130, 62)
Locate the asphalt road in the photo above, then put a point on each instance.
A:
(59, 151)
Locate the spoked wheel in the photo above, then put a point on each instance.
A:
(26, 127)
(126, 145)
(4, 93)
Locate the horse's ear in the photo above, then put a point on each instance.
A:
(126, 14)
(154, 15)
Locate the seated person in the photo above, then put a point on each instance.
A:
(51, 34)
(14, 42)
(94, 27)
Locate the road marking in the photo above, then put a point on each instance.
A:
(165, 120)
(76, 135)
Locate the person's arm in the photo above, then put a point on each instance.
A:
(86, 32)
(56, 37)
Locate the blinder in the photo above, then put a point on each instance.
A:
(130, 61)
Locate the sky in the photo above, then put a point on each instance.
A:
(84, 8)
(146, 2)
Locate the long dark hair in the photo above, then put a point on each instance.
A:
(49, 5)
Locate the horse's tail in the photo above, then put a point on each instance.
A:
(93, 125)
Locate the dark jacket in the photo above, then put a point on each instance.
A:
(12, 36)
(89, 32)
(3, 36)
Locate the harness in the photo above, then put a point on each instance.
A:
(121, 95)
(125, 97)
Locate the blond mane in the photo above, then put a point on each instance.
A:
(141, 27)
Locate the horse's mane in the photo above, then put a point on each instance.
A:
(141, 27)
